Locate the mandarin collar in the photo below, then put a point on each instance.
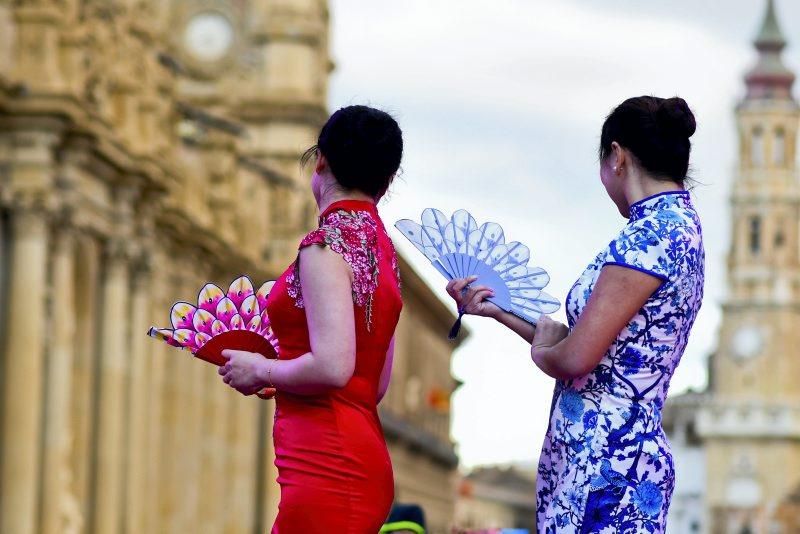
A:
(658, 202)
(350, 205)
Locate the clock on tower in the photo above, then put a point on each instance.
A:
(263, 65)
(208, 36)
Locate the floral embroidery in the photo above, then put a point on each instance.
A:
(396, 269)
(606, 465)
(353, 235)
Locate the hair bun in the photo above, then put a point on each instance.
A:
(363, 146)
(675, 117)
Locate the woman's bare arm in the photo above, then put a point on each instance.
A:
(326, 281)
(618, 295)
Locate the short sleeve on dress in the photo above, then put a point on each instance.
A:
(315, 237)
(643, 250)
(353, 236)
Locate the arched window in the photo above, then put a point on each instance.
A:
(757, 148)
(779, 148)
(755, 235)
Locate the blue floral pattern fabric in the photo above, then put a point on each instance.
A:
(606, 464)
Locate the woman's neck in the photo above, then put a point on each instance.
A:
(337, 195)
(646, 186)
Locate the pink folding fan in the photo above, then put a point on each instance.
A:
(234, 320)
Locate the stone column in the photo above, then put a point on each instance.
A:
(242, 473)
(270, 495)
(5, 253)
(193, 438)
(233, 468)
(213, 482)
(113, 369)
(158, 353)
(177, 427)
(23, 371)
(84, 396)
(169, 476)
(137, 440)
(57, 433)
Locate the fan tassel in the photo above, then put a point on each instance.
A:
(456, 326)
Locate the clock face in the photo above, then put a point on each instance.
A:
(208, 36)
(748, 342)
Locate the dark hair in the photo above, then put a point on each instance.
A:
(656, 131)
(363, 146)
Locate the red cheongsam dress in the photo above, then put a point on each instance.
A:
(333, 465)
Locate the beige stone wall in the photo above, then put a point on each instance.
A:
(426, 482)
(114, 203)
(130, 174)
(422, 367)
(736, 467)
(768, 377)
(474, 513)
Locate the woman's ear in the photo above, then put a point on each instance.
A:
(620, 158)
(321, 163)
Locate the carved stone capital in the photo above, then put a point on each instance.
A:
(119, 249)
(142, 267)
(30, 203)
(64, 239)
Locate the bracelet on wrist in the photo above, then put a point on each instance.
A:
(269, 372)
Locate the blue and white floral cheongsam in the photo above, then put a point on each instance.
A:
(606, 464)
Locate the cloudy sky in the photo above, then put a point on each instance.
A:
(501, 104)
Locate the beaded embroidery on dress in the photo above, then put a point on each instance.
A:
(353, 235)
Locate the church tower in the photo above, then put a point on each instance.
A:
(751, 424)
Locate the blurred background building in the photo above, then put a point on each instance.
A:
(493, 498)
(147, 147)
(738, 444)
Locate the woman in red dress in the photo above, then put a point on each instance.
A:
(334, 312)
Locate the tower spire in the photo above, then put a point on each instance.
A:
(770, 78)
(770, 37)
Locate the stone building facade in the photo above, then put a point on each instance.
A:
(492, 499)
(147, 147)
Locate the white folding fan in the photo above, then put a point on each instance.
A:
(459, 248)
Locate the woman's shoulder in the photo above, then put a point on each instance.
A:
(667, 225)
(354, 236)
(343, 230)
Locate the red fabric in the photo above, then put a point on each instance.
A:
(333, 465)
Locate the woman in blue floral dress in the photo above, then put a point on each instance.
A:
(606, 464)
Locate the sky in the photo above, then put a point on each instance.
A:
(501, 104)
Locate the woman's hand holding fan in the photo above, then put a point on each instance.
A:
(244, 371)
(472, 299)
(236, 320)
(460, 249)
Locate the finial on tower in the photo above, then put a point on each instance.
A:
(770, 37)
(770, 78)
